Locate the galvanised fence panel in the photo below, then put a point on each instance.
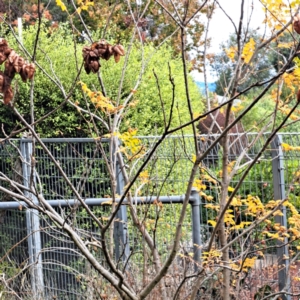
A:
(170, 166)
(63, 266)
(83, 163)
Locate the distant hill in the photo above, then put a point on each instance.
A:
(211, 86)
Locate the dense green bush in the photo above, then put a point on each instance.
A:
(55, 55)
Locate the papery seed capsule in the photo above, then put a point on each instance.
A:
(296, 23)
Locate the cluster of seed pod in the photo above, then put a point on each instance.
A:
(14, 63)
(296, 23)
(102, 49)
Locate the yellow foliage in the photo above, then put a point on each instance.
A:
(296, 73)
(257, 210)
(275, 94)
(235, 266)
(213, 223)
(61, 5)
(144, 176)
(101, 102)
(260, 253)
(282, 106)
(249, 263)
(236, 202)
(230, 166)
(132, 145)
(296, 174)
(208, 178)
(287, 147)
(290, 80)
(248, 51)
(213, 206)
(277, 12)
(241, 225)
(237, 108)
(278, 213)
(211, 254)
(160, 206)
(194, 158)
(207, 197)
(230, 189)
(271, 204)
(199, 185)
(107, 202)
(229, 218)
(286, 45)
(231, 53)
(255, 206)
(274, 235)
(84, 5)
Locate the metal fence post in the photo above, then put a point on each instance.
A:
(279, 193)
(121, 238)
(33, 226)
(196, 226)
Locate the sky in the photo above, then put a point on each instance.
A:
(220, 26)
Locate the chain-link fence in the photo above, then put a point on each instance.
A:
(65, 274)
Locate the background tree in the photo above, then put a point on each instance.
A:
(225, 63)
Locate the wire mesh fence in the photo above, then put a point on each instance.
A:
(67, 275)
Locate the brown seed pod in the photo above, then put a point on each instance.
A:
(14, 63)
(18, 63)
(7, 51)
(27, 71)
(93, 54)
(87, 67)
(4, 50)
(6, 83)
(7, 89)
(94, 66)
(116, 57)
(108, 52)
(91, 63)
(119, 49)
(101, 49)
(85, 51)
(298, 95)
(118, 52)
(8, 95)
(12, 56)
(30, 70)
(102, 44)
(3, 43)
(3, 58)
(16, 60)
(296, 23)
(4, 46)
(9, 69)
(2, 78)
